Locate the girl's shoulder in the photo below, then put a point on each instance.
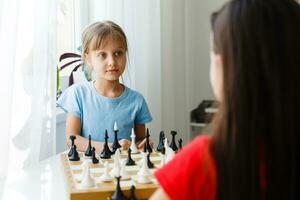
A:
(134, 93)
(79, 88)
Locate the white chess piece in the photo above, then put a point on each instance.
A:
(115, 172)
(115, 126)
(133, 147)
(87, 180)
(162, 160)
(106, 177)
(124, 173)
(169, 151)
(144, 172)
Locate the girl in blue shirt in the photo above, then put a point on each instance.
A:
(95, 106)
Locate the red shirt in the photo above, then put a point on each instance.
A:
(191, 174)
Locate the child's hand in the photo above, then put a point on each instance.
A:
(141, 144)
(125, 144)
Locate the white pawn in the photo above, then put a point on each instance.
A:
(115, 172)
(106, 177)
(144, 173)
(87, 180)
(133, 147)
(169, 151)
(124, 173)
(144, 170)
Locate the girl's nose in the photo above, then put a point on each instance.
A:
(111, 60)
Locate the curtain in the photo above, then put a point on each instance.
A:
(27, 83)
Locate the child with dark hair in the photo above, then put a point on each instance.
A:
(253, 150)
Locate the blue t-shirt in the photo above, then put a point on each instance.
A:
(97, 112)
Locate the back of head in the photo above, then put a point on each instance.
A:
(259, 41)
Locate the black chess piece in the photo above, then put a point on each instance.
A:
(180, 143)
(129, 161)
(106, 153)
(74, 156)
(72, 138)
(88, 151)
(132, 193)
(94, 159)
(116, 143)
(118, 194)
(173, 143)
(149, 163)
(149, 149)
(163, 151)
(161, 141)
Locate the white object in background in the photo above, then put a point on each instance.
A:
(79, 77)
(63, 83)
(169, 151)
(133, 147)
(162, 160)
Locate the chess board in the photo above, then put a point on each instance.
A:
(73, 171)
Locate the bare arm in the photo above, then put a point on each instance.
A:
(139, 130)
(159, 194)
(73, 127)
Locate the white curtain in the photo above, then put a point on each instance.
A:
(168, 53)
(27, 83)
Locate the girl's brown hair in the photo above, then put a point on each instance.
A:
(97, 34)
(259, 118)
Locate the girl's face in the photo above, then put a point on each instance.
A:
(216, 73)
(109, 61)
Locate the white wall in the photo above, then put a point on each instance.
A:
(185, 60)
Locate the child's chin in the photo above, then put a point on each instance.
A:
(115, 78)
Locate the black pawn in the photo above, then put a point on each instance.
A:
(88, 151)
(149, 149)
(72, 138)
(74, 156)
(173, 143)
(160, 145)
(116, 143)
(94, 159)
(118, 194)
(129, 161)
(149, 163)
(132, 193)
(180, 143)
(106, 153)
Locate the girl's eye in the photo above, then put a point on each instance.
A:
(101, 55)
(118, 53)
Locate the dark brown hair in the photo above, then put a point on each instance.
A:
(259, 41)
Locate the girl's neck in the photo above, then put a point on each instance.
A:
(111, 89)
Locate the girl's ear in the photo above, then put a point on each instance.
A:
(219, 61)
(87, 59)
